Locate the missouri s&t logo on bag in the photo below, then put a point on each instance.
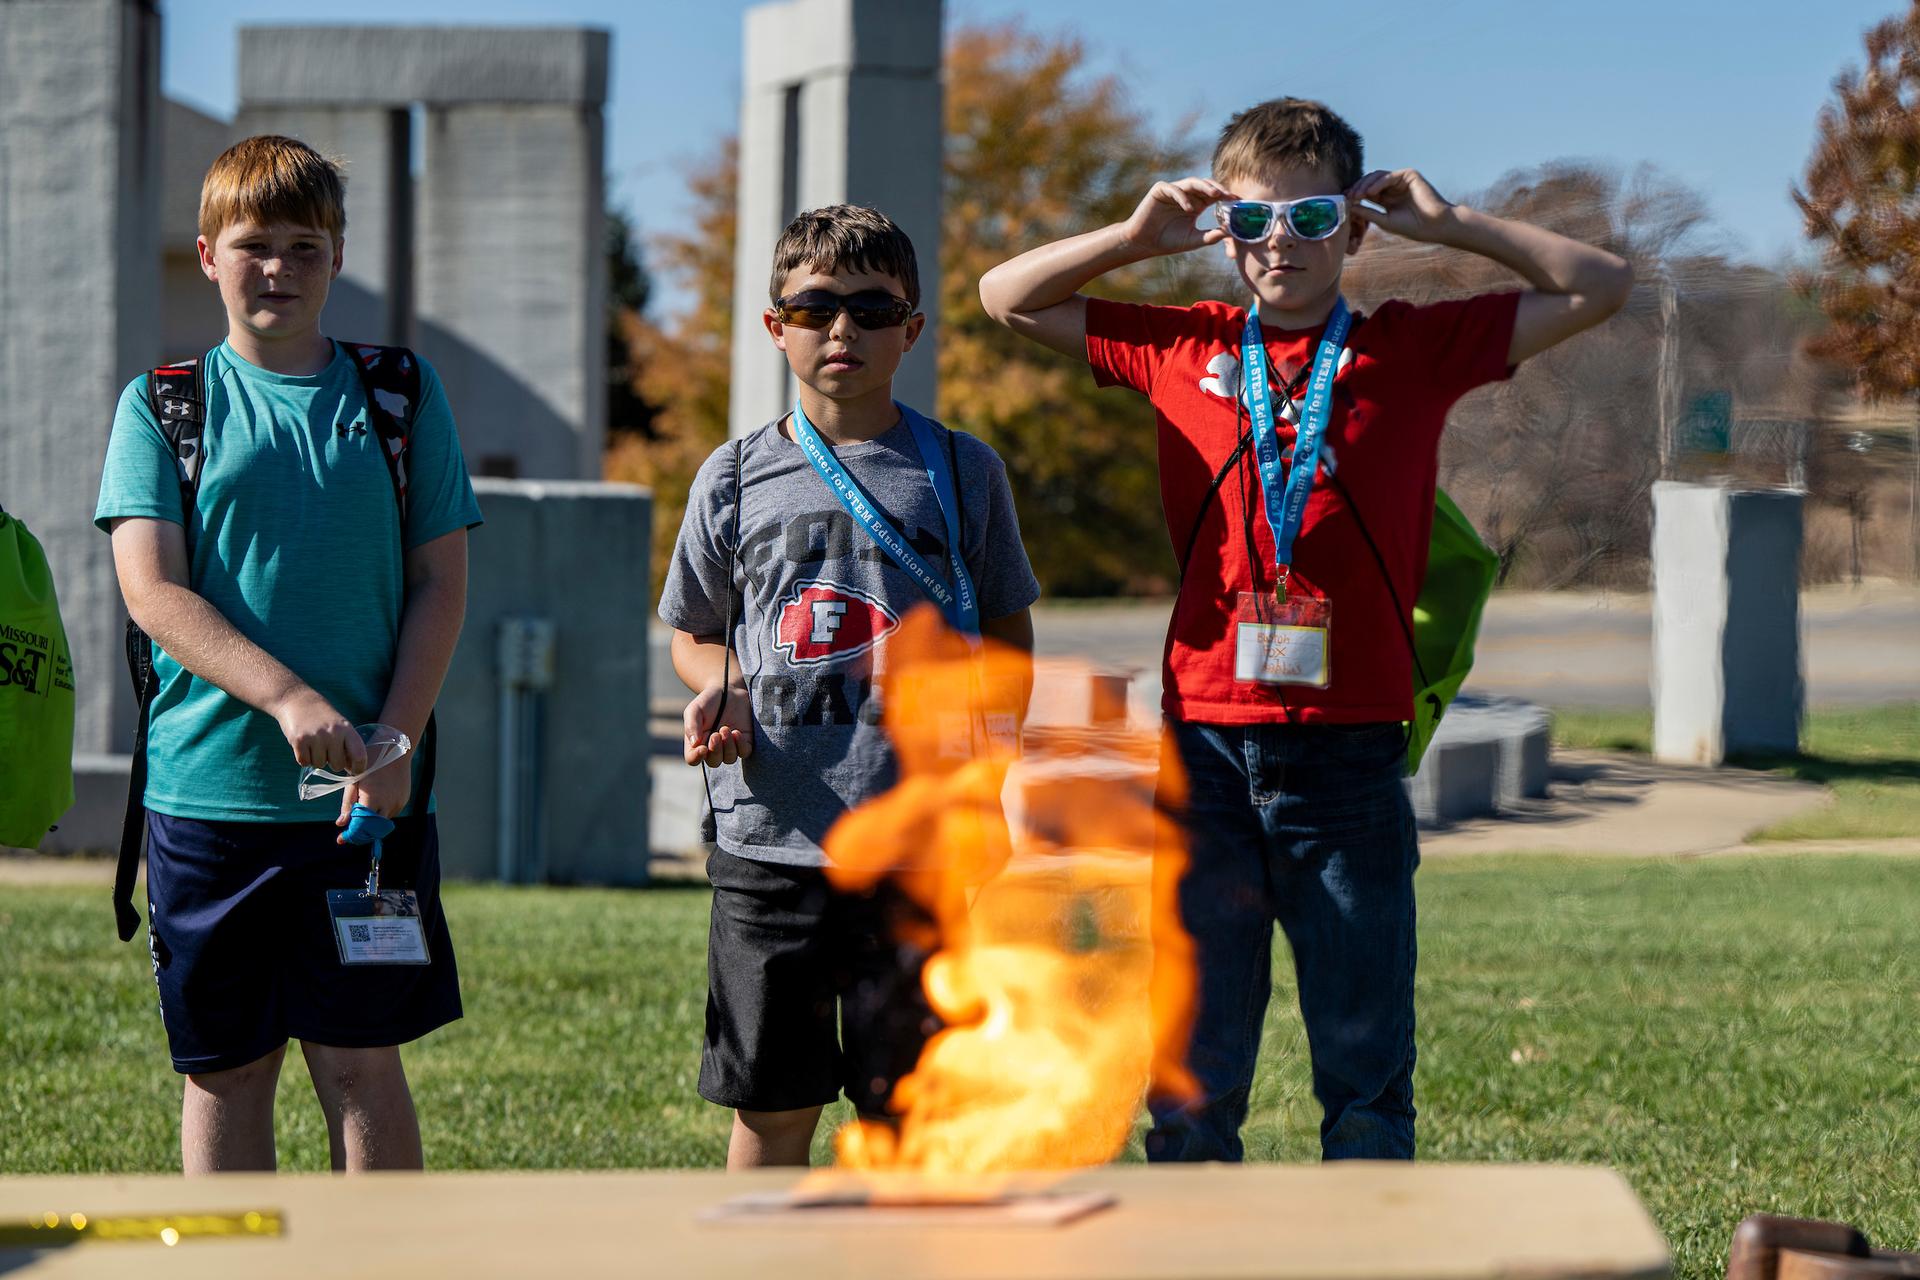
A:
(26, 660)
(826, 622)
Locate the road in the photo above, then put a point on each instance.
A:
(1568, 649)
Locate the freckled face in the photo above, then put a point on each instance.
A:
(273, 279)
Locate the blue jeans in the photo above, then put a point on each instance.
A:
(1307, 825)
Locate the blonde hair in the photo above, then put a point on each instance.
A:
(270, 179)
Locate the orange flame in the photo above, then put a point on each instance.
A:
(1063, 976)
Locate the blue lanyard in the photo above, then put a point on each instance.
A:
(956, 601)
(1287, 503)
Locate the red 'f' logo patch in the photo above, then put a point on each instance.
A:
(826, 622)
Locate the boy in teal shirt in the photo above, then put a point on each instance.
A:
(292, 598)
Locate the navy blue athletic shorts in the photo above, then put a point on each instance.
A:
(243, 946)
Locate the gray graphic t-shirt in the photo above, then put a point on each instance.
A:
(814, 599)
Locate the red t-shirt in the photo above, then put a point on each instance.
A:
(1407, 366)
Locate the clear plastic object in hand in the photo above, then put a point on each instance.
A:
(385, 744)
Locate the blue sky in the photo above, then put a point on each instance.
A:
(1720, 94)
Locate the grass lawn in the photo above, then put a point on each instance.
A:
(1733, 1034)
(1869, 756)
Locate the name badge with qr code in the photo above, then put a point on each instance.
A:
(1283, 641)
(378, 928)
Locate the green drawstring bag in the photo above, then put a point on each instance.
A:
(36, 693)
(1446, 619)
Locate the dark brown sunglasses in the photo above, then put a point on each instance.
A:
(818, 308)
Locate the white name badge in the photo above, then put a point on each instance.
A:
(377, 928)
(1283, 642)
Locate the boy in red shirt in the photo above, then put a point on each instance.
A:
(1288, 672)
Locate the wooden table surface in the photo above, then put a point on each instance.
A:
(1208, 1222)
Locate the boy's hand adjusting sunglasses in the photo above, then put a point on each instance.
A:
(818, 308)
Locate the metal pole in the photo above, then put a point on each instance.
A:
(1669, 374)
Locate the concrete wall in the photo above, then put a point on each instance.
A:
(495, 270)
(512, 281)
(79, 299)
(377, 65)
(191, 317)
(1726, 622)
(841, 104)
(370, 300)
(575, 553)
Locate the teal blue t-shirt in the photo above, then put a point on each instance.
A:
(295, 538)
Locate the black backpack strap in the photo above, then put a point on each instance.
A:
(177, 394)
(710, 821)
(390, 377)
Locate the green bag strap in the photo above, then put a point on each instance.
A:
(1461, 570)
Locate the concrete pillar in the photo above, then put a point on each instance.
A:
(370, 300)
(841, 104)
(79, 299)
(1727, 676)
(512, 281)
(506, 294)
(573, 554)
(191, 317)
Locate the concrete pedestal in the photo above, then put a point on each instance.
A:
(841, 104)
(575, 554)
(79, 300)
(1727, 673)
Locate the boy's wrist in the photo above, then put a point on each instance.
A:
(1122, 250)
(1461, 227)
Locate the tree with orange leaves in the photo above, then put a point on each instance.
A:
(1036, 151)
(1861, 201)
(681, 370)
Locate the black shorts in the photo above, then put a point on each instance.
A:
(810, 991)
(243, 945)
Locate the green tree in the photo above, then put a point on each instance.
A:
(629, 288)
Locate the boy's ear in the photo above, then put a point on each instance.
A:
(915, 326)
(339, 255)
(206, 258)
(1357, 231)
(775, 328)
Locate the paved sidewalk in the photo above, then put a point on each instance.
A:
(1609, 802)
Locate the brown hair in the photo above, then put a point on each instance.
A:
(270, 179)
(1291, 133)
(849, 236)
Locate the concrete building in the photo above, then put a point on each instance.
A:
(841, 103)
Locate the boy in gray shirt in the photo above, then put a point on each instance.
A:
(803, 547)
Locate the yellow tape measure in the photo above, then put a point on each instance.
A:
(54, 1230)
